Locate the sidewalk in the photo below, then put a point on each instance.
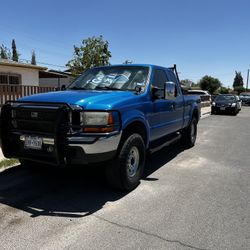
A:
(205, 111)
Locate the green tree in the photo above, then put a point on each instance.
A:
(238, 80)
(209, 83)
(33, 58)
(224, 90)
(239, 89)
(93, 52)
(14, 51)
(4, 52)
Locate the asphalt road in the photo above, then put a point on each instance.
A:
(189, 199)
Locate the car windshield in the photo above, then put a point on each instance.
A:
(112, 78)
(245, 95)
(225, 98)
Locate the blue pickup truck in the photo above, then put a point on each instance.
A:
(112, 113)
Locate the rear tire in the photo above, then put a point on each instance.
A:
(125, 171)
(190, 133)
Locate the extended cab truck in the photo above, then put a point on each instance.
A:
(111, 113)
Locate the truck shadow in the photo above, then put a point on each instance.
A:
(72, 192)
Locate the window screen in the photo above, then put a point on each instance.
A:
(3, 79)
(6, 78)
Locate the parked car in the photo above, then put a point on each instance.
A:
(226, 103)
(245, 98)
(111, 113)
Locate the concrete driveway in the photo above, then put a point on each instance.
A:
(189, 199)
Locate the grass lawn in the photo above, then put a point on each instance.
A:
(8, 162)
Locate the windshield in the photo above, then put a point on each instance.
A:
(245, 95)
(112, 78)
(225, 98)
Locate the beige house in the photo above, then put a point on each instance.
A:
(31, 75)
(19, 73)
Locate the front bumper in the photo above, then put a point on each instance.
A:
(91, 149)
(229, 109)
(246, 102)
(58, 148)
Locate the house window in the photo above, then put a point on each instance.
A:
(3, 79)
(10, 78)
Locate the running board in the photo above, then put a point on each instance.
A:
(165, 144)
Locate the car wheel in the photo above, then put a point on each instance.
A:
(190, 133)
(125, 171)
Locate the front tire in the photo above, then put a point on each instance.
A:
(190, 133)
(125, 171)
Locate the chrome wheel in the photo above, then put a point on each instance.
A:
(133, 161)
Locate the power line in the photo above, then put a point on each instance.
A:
(43, 63)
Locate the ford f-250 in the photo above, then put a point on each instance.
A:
(110, 113)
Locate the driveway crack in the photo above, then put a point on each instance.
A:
(148, 234)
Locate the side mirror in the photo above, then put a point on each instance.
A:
(184, 90)
(169, 91)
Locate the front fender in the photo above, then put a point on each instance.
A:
(135, 116)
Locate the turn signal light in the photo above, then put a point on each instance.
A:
(98, 130)
(106, 129)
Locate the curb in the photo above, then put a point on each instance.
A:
(205, 115)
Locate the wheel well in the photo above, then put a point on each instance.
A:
(135, 127)
(196, 114)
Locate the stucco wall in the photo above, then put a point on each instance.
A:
(28, 76)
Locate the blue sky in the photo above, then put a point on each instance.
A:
(201, 37)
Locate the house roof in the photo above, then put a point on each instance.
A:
(66, 73)
(6, 62)
(51, 74)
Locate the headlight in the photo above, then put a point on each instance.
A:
(213, 103)
(96, 118)
(99, 122)
(233, 104)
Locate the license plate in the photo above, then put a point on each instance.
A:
(222, 108)
(33, 142)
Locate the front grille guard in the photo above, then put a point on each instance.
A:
(61, 129)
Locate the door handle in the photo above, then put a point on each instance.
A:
(172, 106)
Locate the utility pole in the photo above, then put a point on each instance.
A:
(247, 79)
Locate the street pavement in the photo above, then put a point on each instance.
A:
(188, 199)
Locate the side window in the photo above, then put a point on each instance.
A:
(159, 78)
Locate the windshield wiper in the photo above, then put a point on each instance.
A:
(106, 87)
(78, 88)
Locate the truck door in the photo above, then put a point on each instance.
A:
(164, 118)
(178, 114)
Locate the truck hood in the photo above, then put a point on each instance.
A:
(87, 99)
